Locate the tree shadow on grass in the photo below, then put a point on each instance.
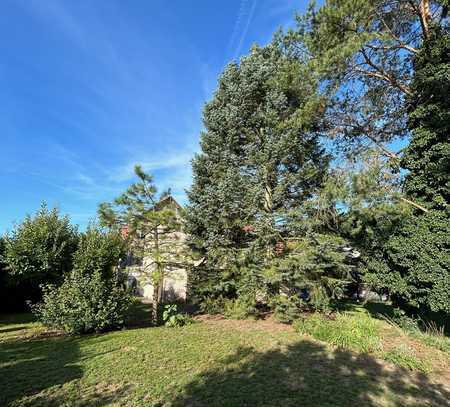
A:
(13, 329)
(28, 367)
(45, 372)
(307, 374)
(139, 315)
(99, 395)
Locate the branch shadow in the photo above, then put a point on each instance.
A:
(308, 374)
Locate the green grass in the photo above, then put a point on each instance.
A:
(354, 328)
(405, 357)
(432, 339)
(358, 331)
(428, 332)
(222, 363)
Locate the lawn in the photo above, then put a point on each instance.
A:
(213, 362)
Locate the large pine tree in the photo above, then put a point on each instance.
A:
(260, 158)
(385, 66)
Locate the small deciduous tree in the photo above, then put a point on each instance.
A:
(39, 250)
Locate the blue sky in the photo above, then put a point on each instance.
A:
(89, 88)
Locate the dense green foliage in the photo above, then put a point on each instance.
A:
(362, 74)
(173, 318)
(99, 251)
(384, 67)
(260, 158)
(427, 156)
(84, 303)
(416, 269)
(259, 152)
(38, 251)
(418, 253)
(299, 193)
(91, 297)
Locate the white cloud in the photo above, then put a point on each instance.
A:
(160, 161)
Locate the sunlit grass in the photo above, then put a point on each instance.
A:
(205, 364)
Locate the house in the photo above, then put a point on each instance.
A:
(139, 267)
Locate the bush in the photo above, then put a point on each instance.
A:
(357, 332)
(39, 251)
(212, 306)
(84, 303)
(287, 308)
(98, 251)
(404, 321)
(240, 308)
(415, 266)
(172, 318)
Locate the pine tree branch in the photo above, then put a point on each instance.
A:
(380, 73)
(416, 205)
(386, 152)
(400, 44)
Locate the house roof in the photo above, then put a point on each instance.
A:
(168, 199)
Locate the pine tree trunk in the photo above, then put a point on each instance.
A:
(156, 284)
(425, 16)
(155, 306)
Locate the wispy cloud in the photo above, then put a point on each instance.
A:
(241, 27)
(245, 30)
(109, 84)
(166, 160)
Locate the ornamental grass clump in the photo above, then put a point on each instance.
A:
(358, 332)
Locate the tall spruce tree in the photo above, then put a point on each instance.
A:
(260, 158)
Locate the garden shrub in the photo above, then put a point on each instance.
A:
(212, 306)
(98, 251)
(405, 322)
(240, 308)
(172, 318)
(287, 308)
(39, 251)
(84, 303)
